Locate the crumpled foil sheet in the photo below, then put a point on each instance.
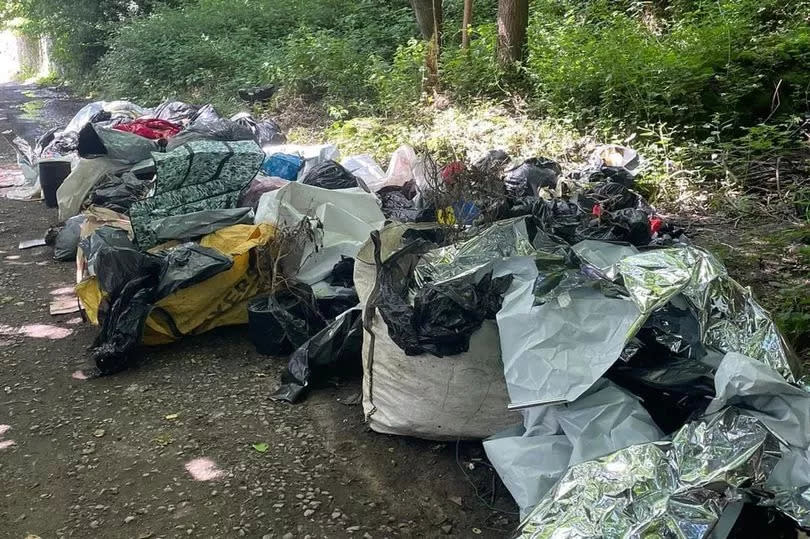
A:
(676, 489)
(795, 503)
(729, 317)
(504, 239)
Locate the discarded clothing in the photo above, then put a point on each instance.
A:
(152, 129)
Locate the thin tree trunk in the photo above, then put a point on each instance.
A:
(465, 25)
(513, 20)
(429, 19)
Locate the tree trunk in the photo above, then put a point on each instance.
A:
(513, 19)
(465, 25)
(429, 19)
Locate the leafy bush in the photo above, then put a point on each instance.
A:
(473, 72)
(399, 85)
(214, 47)
(600, 60)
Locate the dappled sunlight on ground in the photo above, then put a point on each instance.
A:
(5, 443)
(37, 331)
(203, 469)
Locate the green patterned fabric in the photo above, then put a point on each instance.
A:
(200, 175)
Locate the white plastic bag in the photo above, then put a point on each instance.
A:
(365, 168)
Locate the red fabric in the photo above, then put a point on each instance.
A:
(656, 224)
(597, 210)
(151, 129)
(450, 171)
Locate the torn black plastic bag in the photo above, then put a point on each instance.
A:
(527, 178)
(122, 326)
(283, 321)
(330, 175)
(335, 351)
(335, 301)
(134, 281)
(114, 259)
(67, 241)
(119, 193)
(266, 132)
(674, 389)
(443, 315)
(494, 162)
(209, 125)
(398, 207)
(175, 112)
(189, 264)
(664, 366)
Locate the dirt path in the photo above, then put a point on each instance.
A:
(117, 456)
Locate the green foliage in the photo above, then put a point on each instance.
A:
(601, 59)
(79, 29)
(399, 85)
(324, 48)
(473, 72)
(321, 64)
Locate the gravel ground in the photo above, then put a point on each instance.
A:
(166, 450)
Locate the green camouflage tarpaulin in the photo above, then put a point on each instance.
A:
(200, 175)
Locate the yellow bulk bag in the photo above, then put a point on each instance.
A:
(218, 301)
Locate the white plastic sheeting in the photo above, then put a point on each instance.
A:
(341, 221)
(532, 457)
(555, 351)
(367, 169)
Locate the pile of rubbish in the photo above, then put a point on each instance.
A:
(624, 385)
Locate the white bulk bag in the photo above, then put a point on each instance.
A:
(438, 398)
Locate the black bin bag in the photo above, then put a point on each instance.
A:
(335, 351)
(283, 321)
(330, 175)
